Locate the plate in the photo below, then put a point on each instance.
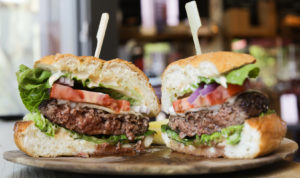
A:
(158, 160)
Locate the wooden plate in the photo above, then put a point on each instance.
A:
(158, 160)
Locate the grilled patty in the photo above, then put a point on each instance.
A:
(212, 119)
(92, 121)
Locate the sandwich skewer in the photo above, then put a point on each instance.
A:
(195, 23)
(101, 33)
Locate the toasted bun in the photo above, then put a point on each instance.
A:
(185, 72)
(33, 142)
(260, 136)
(116, 74)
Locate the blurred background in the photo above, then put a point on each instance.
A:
(153, 33)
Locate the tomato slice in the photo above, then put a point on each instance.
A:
(218, 96)
(182, 105)
(67, 93)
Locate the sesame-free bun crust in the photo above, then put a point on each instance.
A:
(185, 72)
(224, 61)
(35, 143)
(116, 74)
(260, 136)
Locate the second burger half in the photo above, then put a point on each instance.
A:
(212, 112)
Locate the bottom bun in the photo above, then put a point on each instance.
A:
(35, 143)
(260, 136)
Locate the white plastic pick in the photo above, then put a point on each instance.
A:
(101, 33)
(195, 22)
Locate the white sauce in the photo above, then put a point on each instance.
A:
(140, 109)
(172, 111)
(222, 80)
(55, 76)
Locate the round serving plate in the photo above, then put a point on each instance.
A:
(158, 160)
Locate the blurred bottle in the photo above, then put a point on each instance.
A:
(155, 58)
(289, 83)
(160, 14)
(148, 17)
(156, 14)
(155, 61)
(172, 12)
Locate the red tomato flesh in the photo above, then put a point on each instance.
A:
(218, 96)
(82, 96)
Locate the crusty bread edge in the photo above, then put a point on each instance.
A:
(51, 59)
(272, 130)
(223, 60)
(19, 127)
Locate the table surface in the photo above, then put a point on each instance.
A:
(8, 169)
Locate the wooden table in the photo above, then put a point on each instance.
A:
(8, 169)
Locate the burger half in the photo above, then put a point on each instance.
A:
(212, 112)
(83, 106)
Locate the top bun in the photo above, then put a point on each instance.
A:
(116, 74)
(185, 72)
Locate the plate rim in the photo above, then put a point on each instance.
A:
(164, 169)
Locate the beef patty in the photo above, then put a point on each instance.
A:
(91, 121)
(212, 119)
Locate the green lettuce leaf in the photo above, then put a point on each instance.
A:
(269, 111)
(172, 134)
(49, 129)
(112, 139)
(206, 139)
(237, 76)
(33, 86)
(232, 134)
(42, 123)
